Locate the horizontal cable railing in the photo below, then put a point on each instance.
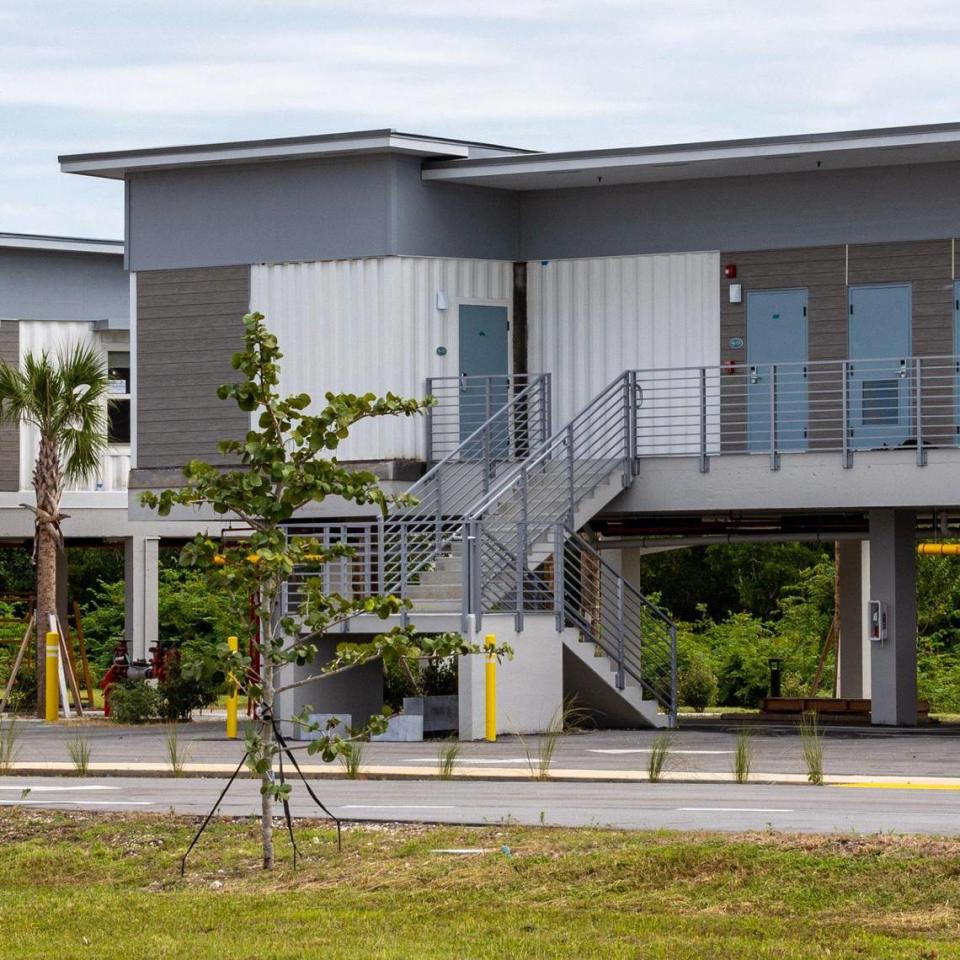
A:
(584, 592)
(546, 488)
(414, 538)
(840, 406)
(462, 404)
(351, 576)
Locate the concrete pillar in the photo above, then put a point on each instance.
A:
(893, 662)
(865, 642)
(631, 562)
(529, 686)
(141, 565)
(850, 650)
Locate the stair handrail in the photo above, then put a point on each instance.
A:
(541, 380)
(630, 648)
(421, 529)
(567, 436)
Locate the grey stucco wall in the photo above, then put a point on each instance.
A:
(311, 210)
(375, 206)
(432, 219)
(744, 213)
(188, 327)
(9, 435)
(296, 210)
(55, 285)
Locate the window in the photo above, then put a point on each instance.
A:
(118, 391)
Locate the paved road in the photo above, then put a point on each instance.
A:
(846, 751)
(631, 806)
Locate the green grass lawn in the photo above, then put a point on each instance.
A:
(82, 885)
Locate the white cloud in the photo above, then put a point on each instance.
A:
(553, 74)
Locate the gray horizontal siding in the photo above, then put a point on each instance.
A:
(827, 273)
(9, 435)
(188, 327)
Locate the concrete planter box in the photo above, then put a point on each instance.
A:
(402, 728)
(441, 714)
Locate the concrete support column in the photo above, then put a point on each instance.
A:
(865, 642)
(850, 650)
(141, 565)
(631, 562)
(893, 662)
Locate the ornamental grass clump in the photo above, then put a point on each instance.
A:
(659, 753)
(743, 755)
(79, 750)
(811, 741)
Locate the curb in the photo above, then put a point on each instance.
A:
(558, 775)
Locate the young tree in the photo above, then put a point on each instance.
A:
(284, 464)
(63, 397)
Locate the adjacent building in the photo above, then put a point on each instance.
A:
(632, 349)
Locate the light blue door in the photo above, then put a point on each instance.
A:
(484, 353)
(878, 374)
(777, 372)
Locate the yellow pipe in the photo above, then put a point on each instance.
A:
(233, 698)
(932, 548)
(490, 641)
(52, 678)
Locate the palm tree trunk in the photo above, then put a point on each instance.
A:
(47, 485)
(46, 602)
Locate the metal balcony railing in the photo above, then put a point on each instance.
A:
(836, 406)
(414, 538)
(463, 404)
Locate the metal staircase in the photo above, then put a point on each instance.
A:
(493, 531)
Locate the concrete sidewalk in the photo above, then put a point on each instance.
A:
(852, 756)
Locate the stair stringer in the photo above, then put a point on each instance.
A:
(590, 679)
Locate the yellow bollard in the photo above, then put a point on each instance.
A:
(52, 678)
(490, 641)
(233, 698)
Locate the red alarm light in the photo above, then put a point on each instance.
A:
(730, 271)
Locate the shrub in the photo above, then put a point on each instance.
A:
(698, 685)
(135, 701)
(429, 678)
(190, 684)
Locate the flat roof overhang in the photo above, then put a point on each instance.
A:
(117, 164)
(31, 241)
(690, 161)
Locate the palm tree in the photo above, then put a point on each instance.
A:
(63, 398)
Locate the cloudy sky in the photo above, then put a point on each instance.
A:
(88, 75)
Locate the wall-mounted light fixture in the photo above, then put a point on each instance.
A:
(730, 271)
(442, 303)
(736, 293)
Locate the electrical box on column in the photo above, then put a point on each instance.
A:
(877, 620)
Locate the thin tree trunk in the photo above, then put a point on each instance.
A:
(266, 733)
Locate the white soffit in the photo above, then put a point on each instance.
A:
(117, 164)
(792, 154)
(27, 241)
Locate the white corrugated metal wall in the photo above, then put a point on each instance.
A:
(53, 336)
(372, 325)
(590, 319)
